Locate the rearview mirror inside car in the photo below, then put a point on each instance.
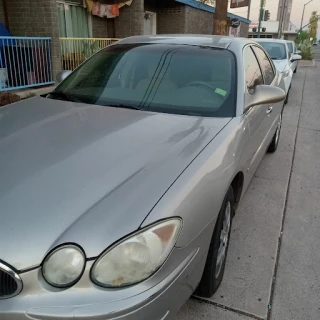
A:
(264, 94)
(295, 57)
(62, 75)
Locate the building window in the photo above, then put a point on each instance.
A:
(73, 21)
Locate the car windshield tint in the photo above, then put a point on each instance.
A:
(277, 51)
(175, 79)
(290, 46)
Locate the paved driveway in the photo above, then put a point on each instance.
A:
(273, 266)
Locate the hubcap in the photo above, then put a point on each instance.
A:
(278, 130)
(224, 237)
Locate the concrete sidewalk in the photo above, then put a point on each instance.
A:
(273, 268)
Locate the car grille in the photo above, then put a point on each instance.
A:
(10, 283)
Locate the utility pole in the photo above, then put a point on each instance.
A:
(260, 17)
(304, 7)
(281, 18)
(249, 8)
(220, 23)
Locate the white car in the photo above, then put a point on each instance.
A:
(293, 50)
(280, 54)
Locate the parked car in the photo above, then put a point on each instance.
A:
(293, 50)
(121, 185)
(282, 58)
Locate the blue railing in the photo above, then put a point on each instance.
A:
(25, 62)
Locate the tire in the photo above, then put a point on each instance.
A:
(214, 268)
(275, 140)
(295, 70)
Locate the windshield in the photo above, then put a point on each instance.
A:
(276, 50)
(174, 79)
(290, 46)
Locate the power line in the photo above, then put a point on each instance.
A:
(247, 10)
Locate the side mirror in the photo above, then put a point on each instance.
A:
(62, 75)
(295, 57)
(264, 94)
(298, 52)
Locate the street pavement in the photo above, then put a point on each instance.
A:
(272, 270)
(317, 52)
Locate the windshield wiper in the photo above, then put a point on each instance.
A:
(64, 96)
(124, 106)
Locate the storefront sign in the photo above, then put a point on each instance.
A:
(239, 3)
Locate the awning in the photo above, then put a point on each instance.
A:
(205, 7)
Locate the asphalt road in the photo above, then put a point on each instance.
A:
(273, 264)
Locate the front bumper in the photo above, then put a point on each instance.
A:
(158, 298)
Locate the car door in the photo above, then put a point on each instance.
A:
(256, 116)
(273, 110)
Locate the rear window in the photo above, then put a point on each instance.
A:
(175, 79)
(276, 50)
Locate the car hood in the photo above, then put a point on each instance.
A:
(85, 174)
(281, 65)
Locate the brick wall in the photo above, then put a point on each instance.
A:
(171, 20)
(198, 21)
(130, 22)
(1, 13)
(244, 30)
(36, 18)
(99, 27)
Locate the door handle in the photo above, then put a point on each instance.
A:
(269, 110)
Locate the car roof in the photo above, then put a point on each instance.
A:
(270, 40)
(221, 42)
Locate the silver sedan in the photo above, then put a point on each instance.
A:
(119, 187)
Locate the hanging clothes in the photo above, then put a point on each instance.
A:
(96, 8)
(112, 11)
(128, 3)
(104, 10)
(89, 4)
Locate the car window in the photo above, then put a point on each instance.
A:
(276, 50)
(177, 79)
(267, 69)
(253, 75)
(290, 46)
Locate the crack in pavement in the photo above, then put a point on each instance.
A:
(285, 207)
(221, 306)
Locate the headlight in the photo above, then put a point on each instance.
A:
(137, 257)
(64, 266)
(285, 73)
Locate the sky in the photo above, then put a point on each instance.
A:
(272, 6)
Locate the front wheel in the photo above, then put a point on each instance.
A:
(275, 140)
(217, 255)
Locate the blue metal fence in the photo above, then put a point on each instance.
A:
(24, 62)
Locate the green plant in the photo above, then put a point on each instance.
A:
(302, 35)
(90, 49)
(313, 27)
(307, 50)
